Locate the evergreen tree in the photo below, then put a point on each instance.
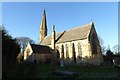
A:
(109, 55)
(10, 48)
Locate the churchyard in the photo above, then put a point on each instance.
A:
(49, 72)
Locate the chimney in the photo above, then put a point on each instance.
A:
(53, 38)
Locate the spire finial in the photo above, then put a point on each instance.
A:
(44, 11)
(92, 23)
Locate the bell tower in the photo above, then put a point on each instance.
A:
(43, 27)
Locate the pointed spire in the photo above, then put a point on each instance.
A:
(44, 12)
(44, 21)
(43, 27)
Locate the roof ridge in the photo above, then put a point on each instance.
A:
(85, 25)
(36, 45)
(70, 29)
(62, 33)
(71, 34)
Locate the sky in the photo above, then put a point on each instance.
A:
(22, 19)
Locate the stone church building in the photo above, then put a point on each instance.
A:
(77, 45)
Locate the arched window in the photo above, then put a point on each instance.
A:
(67, 53)
(73, 53)
(62, 52)
(79, 50)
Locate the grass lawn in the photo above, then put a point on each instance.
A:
(43, 72)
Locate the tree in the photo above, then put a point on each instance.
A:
(103, 48)
(20, 57)
(116, 49)
(109, 55)
(22, 41)
(10, 48)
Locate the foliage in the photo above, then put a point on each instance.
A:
(22, 41)
(116, 49)
(103, 48)
(10, 48)
(20, 57)
(42, 72)
(109, 56)
(118, 54)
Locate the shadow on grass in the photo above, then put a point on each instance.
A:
(45, 72)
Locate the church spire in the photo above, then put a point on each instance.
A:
(43, 27)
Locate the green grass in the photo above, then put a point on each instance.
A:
(43, 71)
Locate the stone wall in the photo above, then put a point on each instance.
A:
(82, 50)
(28, 51)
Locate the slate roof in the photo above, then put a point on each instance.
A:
(70, 35)
(47, 39)
(40, 49)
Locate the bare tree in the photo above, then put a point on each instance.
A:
(22, 41)
(116, 49)
(103, 48)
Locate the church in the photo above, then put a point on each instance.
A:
(77, 45)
